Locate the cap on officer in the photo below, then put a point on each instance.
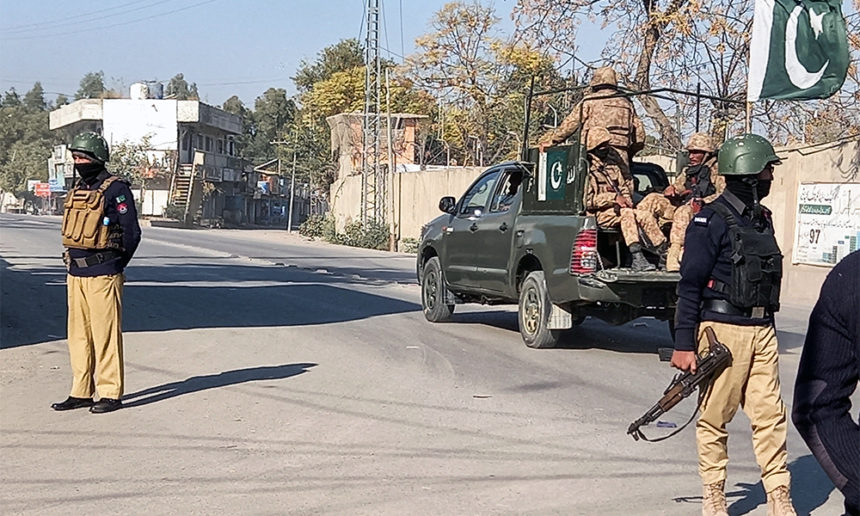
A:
(597, 137)
(701, 142)
(604, 77)
(92, 145)
(746, 155)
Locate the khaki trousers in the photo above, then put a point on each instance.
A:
(95, 335)
(751, 382)
(659, 206)
(630, 220)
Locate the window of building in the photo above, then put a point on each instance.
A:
(220, 146)
(186, 141)
(199, 141)
(208, 144)
(231, 147)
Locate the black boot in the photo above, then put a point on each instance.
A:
(72, 403)
(662, 252)
(640, 264)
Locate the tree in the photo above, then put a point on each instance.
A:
(235, 106)
(273, 113)
(92, 86)
(11, 98)
(344, 55)
(62, 100)
(34, 99)
(179, 89)
(480, 79)
(681, 44)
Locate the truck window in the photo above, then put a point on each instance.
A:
(510, 187)
(477, 196)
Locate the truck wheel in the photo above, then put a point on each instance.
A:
(534, 311)
(433, 293)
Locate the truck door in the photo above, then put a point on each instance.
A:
(458, 257)
(495, 233)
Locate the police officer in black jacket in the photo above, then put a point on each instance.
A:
(730, 279)
(100, 234)
(827, 377)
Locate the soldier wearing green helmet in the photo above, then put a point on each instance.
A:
(100, 233)
(730, 278)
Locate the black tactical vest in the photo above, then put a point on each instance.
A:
(699, 181)
(756, 264)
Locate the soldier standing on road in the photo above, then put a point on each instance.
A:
(700, 183)
(600, 108)
(730, 280)
(827, 377)
(608, 197)
(100, 234)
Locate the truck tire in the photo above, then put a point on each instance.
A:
(533, 313)
(433, 293)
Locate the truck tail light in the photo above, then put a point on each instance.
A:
(583, 255)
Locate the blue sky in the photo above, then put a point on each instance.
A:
(226, 46)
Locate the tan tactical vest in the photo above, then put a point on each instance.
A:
(615, 114)
(83, 220)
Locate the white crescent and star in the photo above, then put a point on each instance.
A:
(797, 73)
(555, 175)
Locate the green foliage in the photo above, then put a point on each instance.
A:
(129, 160)
(34, 100)
(179, 89)
(172, 211)
(314, 226)
(25, 140)
(273, 113)
(408, 245)
(92, 86)
(62, 100)
(372, 234)
(344, 55)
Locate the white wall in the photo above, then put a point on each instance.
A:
(153, 202)
(132, 120)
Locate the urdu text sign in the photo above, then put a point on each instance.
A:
(828, 222)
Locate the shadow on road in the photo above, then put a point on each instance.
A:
(639, 336)
(213, 381)
(189, 296)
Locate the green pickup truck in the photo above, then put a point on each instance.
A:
(520, 235)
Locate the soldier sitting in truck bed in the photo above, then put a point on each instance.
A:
(608, 197)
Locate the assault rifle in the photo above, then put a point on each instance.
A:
(683, 385)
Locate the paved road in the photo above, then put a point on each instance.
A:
(270, 375)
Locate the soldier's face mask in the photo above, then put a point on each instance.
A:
(88, 171)
(763, 188)
(696, 157)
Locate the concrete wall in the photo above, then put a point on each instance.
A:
(127, 120)
(416, 196)
(837, 162)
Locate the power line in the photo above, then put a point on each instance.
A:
(103, 27)
(91, 17)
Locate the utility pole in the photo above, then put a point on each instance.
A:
(292, 192)
(372, 182)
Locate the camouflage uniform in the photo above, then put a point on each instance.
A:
(684, 213)
(600, 195)
(599, 109)
(659, 206)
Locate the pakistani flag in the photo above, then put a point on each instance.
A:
(799, 50)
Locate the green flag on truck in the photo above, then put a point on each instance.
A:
(799, 50)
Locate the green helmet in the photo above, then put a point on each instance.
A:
(746, 155)
(92, 144)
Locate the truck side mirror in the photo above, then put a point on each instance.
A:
(448, 204)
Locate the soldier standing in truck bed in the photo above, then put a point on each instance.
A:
(601, 108)
(608, 197)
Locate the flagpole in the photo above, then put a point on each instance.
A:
(748, 123)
